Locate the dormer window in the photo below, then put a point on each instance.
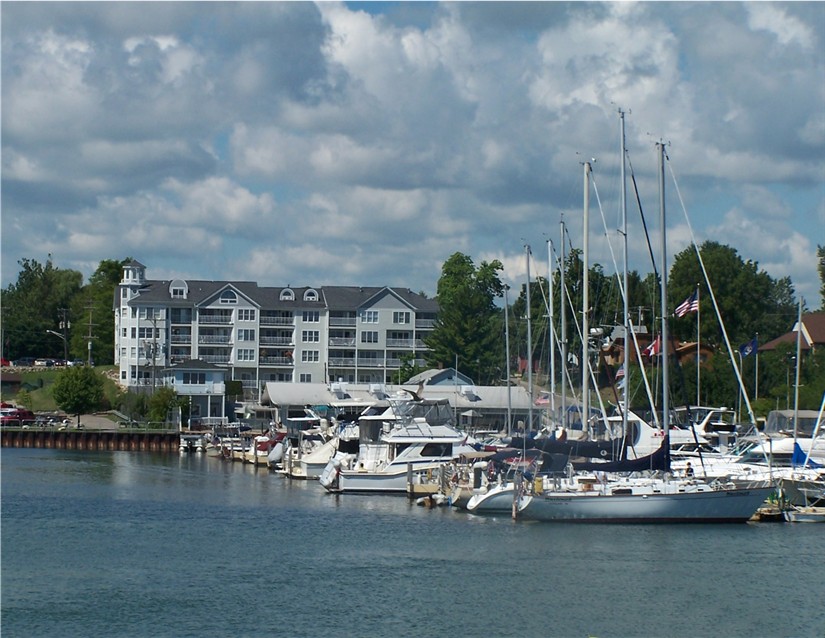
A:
(287, 295)
(311, 295)
(178, 289)
(228, 297)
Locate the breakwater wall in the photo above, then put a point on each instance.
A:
(101, 440)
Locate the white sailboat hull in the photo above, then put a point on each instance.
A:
(716, 506)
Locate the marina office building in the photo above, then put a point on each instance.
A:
(194, 335)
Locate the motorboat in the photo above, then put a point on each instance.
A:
(411, 436)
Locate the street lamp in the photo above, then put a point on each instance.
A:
(65, 344)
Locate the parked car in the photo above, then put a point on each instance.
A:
(48, 363)
(75, 362)
(16, 416)
(24, 362)
(4, 362)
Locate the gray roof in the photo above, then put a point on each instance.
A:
(330, 297)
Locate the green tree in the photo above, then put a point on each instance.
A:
(468, 325)
(78, 390)
(749, 300)
(162, 403)
(33, 305)
(408, 368)
(91, 314)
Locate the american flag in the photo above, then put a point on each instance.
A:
(691, 304)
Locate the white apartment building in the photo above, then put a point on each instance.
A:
(258, 334)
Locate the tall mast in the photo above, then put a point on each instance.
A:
(529, 349)
(585, 364)
(551, 321)
(660, 147)
(563, 326)
(628, 324)
(507, 354)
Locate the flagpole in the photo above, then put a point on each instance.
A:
(756, 373)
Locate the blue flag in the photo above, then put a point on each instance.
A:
(749, 348)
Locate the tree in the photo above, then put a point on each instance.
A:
(749, 300)
(78, 390)
(163, 402)
(468, 325)
(33, 304)
(91, 313)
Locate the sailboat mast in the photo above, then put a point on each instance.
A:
(628, 324)
(563, 327)
(798, 367)
(551, 321)
(585, 365)
(507, 354)
(529, 350)
(660, 147)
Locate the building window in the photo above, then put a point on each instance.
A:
(194, 378)
(369, 316)
(178, 293)
(134, 333)
(246, 354)
(287, 295)
(246, 314)
(306, 377)
(369, 336)
(310, 295)
(311, 316)
(245, 334)
(401, 317)
(310, 356)
(228, 297)
(310, 336)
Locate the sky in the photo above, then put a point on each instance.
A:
(321, 144)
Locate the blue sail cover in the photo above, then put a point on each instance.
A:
(798, 458)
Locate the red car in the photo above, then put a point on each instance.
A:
(16, 416)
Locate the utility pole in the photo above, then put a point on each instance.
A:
(90, 336)
(64, 326)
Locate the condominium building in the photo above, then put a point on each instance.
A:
(258, 334)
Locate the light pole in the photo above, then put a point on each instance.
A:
(65, 344)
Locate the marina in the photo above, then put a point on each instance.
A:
(174, 535)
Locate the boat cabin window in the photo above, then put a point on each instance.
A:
(437, 450)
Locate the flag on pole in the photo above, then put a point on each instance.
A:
(691, 304)
(654, 348)
(747, 349)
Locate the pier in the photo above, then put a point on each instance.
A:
(93, 440)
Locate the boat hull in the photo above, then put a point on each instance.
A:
(718, 506)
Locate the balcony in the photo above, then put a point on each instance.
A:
(342, 341)
(276, 341)
(400, 343)
(214, 319)
(370, 363)
(425, 323)
(277, 321)
(186, 389)
(342, 362)
(183, 339)
(214, 339)
(342, 321)
(276, 361)
(214, 358)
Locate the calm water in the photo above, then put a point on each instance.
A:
(133, 544)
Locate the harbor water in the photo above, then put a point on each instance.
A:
(139, 544)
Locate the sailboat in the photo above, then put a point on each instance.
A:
(659, 498)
